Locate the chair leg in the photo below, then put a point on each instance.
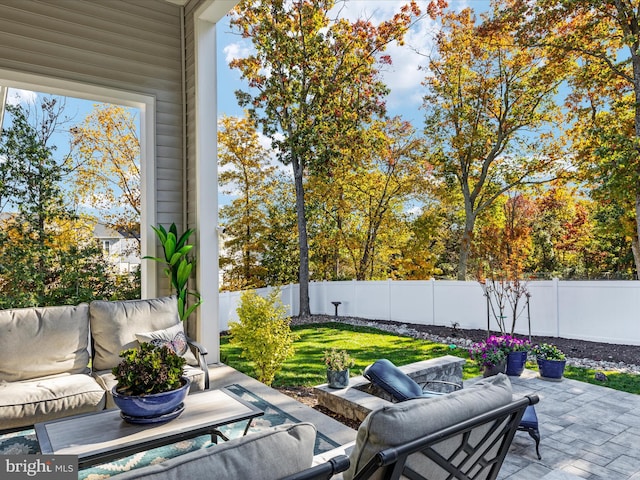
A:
(535, 434)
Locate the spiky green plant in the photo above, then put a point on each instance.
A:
(178, 265)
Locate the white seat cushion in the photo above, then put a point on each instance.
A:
(31, 401)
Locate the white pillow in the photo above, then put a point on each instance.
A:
(174, 338)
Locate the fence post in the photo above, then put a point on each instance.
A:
(433, 301)
(556, 292)
(388, 299)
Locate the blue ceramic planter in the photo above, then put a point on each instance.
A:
(153, 405)
(515, 363)
(551, 369)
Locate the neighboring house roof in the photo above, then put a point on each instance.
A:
(101, 231)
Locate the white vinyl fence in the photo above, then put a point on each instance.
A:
(603, 311)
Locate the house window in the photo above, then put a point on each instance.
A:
(106, 246)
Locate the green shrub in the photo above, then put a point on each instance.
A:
(263, 333)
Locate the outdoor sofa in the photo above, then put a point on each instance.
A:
(56, 361)
(463, 435)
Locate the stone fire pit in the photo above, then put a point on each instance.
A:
(360, 397)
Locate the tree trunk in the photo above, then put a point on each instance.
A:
(636, 88)
(465, 245)
(303, 241)
(635, 242)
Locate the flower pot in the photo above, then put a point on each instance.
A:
(515, 363)
(551, 369)
(153, 407)
(338, 378)
(495, 369)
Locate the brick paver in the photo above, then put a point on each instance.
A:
(588, 431)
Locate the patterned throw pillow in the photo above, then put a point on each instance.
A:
(172, 337)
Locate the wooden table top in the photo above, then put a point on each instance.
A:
(104, 436)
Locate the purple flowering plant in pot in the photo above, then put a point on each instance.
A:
(501, 353)
(489, 356)
(516, 351)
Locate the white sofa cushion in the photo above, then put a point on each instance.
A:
(406, 421)
(43, 341)
(31, 401)
(268, 455)
(114, 325)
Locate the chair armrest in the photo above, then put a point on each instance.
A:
(200, 352)
(323, 471)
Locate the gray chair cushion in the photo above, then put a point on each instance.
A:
(268, 455)
(43, 341)
(32, 401)
(402, 422)
(114, 325)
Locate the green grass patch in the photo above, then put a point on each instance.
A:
(366, 345)
(625, 382)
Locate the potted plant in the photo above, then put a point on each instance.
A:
(516, 351)
(151, 384)
(338, 363)
(178, 265)
(551, 361)
(489, 355)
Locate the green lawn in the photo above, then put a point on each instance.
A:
(366, 345)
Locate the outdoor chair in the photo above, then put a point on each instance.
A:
(529, 424)
(401, 387)
(464, 436)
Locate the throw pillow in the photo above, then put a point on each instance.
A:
(172, 337)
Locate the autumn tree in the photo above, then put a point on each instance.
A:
(44, 257)
(245, 172)
(367, 196)
(313, 83)
(602, 37)
(107, 169)
(488, 104)
(281, 259)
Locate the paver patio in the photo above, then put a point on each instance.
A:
(588, 431)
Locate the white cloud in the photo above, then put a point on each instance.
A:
(235, 50)
(403, 76)
(16, 96)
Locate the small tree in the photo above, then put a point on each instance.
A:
(263, 333)
(501, 251)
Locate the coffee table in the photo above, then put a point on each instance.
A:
(103, 436)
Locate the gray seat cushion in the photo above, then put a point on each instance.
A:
(31, 401)
(402, 422)
(114, 325)
(268, 455)
(43, 341)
